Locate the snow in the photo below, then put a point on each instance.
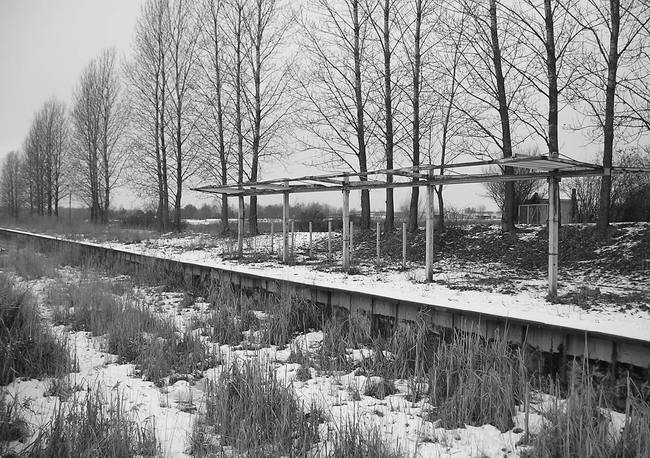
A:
(98, 370)
(173, 409)
(529, 304)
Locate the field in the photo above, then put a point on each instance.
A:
(128, 362)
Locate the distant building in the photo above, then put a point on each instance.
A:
(536, 212)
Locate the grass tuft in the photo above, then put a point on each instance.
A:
(352, 440)
(249, 410)
(91, 426)
(28, 348)
(133, 330)
(474, 382)
(27, 263)
(581, 425)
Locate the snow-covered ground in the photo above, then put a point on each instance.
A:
(173, 409)
(527, 300)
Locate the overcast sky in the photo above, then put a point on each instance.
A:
(45, 44)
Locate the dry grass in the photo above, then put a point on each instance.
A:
(133, 330)
(249, 411)
(94, 427)
(28, 348)
(475, 382)
(27, 263)
(352, 440)
(581, 424)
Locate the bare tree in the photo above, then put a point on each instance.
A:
(336, 87)
(451, 133)
(616, 35)
(147, 74)
(419, 26)
(99, 122)
(183, 36)
(385, 21)
(45, 145)
(214, 131)
(267, 93)
(549, 61)
(238, 48)
(493, 87)
(523, 189)
(12, 190)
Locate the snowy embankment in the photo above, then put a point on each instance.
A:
(528, 302)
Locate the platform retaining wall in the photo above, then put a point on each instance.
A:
(563, 342)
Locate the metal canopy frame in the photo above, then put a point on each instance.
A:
(421, 175)
(541, 167)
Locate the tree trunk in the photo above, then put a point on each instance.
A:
(508, 216)
(225, 225)
(608, 128)
(389, 224)
(415, 191)
(441, 209)
(361, 141)
(257, 121)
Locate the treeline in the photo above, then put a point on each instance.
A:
(218, 90)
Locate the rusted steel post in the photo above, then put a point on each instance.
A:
(404, 246)
(429, 232)
(285, 227)
(271, 236)
(310, 239)
(553, 234)
(329, 239)
(351, 240)
(378, 239)
(346, 225)
(240, 227)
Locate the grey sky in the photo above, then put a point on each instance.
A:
(45, 44)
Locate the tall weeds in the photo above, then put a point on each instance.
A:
(352, 440)
(91, 426)
(474, 381)
(133, 330)
(28, 348)
(581, 424)
(250, 411)
(27, 263)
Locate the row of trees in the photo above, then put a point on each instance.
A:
(34, 178)
(78, 150)
(213, 90)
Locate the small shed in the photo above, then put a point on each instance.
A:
(537, 213)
